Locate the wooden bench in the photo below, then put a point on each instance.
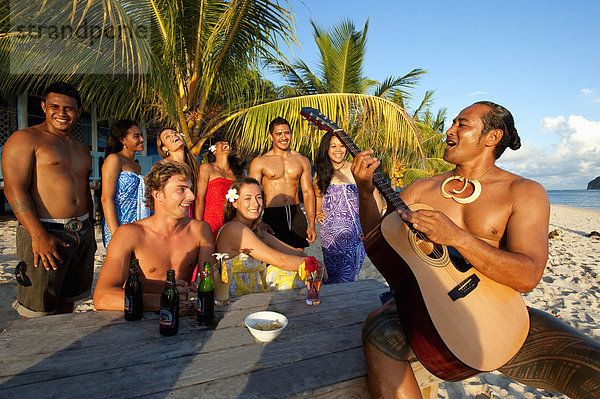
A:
(99, 354)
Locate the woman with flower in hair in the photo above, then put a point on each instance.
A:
(260, 262)
(171, 147)
(214, 179)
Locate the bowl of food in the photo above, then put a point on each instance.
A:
(266, 326)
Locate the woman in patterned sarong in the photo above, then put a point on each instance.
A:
(337, 211)
(260, 262)
(123, 186)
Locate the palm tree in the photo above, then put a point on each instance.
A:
(371, 112)
(188, 63)
(198, 69)
(432, 132)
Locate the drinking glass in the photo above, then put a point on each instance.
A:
(221, 288)
(313, 285)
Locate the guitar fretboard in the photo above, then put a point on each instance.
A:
(378, 180)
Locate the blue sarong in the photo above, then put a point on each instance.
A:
(129, 202)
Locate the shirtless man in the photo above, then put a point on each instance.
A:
(280, 171)
(46, 183)
(503, 232)
(169, 239)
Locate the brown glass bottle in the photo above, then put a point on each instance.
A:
(134, 294)
(169, 306)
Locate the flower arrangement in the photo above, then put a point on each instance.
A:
(222, 270)
(310, 265)
(212, 148)
(232, 195)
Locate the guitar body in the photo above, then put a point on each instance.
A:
(457, 321)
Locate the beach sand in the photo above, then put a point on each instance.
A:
(570, 289)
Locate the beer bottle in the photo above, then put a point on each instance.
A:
(134, 295)
(169, 306)
(205, 309)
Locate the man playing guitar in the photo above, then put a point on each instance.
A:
(498, 221)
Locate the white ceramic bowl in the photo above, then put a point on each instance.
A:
(268, 317)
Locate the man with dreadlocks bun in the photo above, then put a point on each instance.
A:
(498, 222)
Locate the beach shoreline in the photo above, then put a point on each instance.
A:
(570, 290)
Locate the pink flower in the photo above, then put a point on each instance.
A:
(311, 264)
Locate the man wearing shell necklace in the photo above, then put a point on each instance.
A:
(498, 222)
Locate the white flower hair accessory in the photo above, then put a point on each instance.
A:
(232, 195)
(212, 148)
(220, 256)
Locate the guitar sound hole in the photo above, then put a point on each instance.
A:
(430, 249)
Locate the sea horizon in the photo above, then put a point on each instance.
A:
(581, 198)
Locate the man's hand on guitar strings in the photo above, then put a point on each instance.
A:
(363, 167)
(435, 225)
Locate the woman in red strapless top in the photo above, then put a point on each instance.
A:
(213, 202)
(214, 179)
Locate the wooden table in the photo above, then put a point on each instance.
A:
(99, 354)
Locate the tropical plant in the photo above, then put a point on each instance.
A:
(194, 64)
(371, 112)
(431, 127)
(188, 63)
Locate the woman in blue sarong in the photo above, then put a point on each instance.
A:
(123, 186)
(337, 211)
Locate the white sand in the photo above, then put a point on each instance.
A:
(570, 289)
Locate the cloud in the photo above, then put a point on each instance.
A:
(477, 93)
(587, 91)
(569, 164)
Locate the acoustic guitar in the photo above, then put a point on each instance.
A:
(458, 321)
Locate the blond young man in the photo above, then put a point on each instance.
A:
(169, 239)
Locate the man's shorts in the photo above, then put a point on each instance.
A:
(71, 281)
(289, 224)
(386, 334)
(554, 356)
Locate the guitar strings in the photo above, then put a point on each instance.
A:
(395, 200)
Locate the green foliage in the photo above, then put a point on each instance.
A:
(197, 66)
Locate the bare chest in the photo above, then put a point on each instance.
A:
(178, 253)
(486, 217)
(216, 172)
(279, 168)
(131, 166)
(61, 156)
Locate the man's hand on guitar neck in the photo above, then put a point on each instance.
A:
(363, 168)
(436, 226)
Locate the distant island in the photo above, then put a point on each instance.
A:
(594, 184)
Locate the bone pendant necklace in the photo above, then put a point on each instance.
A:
(466, 181)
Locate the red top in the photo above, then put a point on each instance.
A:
(214, 201)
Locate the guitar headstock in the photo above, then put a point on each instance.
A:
(316, 118)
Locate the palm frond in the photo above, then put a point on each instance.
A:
(373, 122)
(425, 103)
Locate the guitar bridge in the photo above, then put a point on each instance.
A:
(463, 289)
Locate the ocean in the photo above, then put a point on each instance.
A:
(576, 198)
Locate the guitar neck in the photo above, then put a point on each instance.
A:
(382, 185)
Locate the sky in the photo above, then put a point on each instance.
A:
(539, 59)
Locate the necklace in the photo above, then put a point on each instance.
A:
(343, 164)
(474, 182)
